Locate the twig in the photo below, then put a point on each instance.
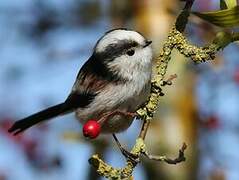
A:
(144, 129)
(169, 80)
(182, 19)
(177, 160)
(161, 68)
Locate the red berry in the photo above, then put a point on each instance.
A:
(212, 122)
(236, 76)
(91, 129)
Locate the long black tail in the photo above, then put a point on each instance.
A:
(41, 116)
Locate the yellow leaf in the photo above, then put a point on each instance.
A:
(223, 18)
(229, 3)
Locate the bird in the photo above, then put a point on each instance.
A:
(115, 78)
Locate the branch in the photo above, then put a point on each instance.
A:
(182, 19)
(161, 66)
(118, 173)
(177, 160)
(206, 53)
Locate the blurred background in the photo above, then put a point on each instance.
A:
(43, 44)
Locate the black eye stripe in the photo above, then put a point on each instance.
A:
(123, 45)
(126, 44)
(117, 49)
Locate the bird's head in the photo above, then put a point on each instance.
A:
(124, 49)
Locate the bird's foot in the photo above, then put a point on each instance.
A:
(128, 155)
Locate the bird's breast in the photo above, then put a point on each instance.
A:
(127, 96)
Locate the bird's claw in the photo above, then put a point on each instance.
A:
(130, 156)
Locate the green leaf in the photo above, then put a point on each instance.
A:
(227, 4)
(226, 18)
(223, 5)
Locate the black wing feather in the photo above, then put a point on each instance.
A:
(72, 102)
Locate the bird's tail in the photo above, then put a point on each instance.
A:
(41, 116)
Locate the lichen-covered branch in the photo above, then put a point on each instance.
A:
(202, 54)
(177, 160)
(162, 61)
(118, 173)
(126, 172)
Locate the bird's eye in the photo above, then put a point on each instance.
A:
(130, 52)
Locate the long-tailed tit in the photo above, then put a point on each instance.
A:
(115, 77)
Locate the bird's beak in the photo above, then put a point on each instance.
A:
(147, 43)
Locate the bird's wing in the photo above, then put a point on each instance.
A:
(94, 76)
